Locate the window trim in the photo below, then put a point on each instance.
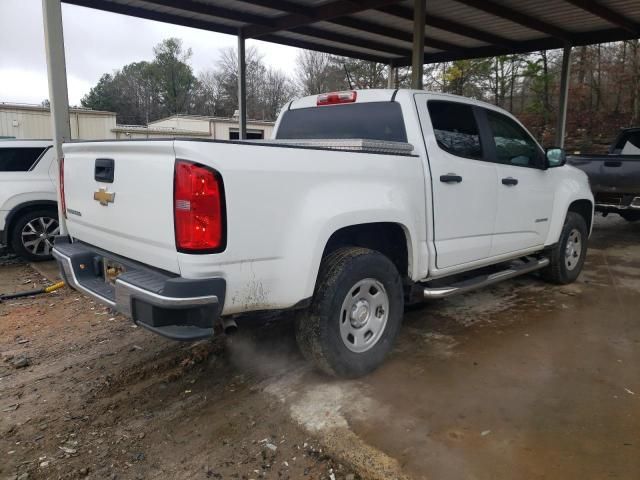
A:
(491, 146)
(483, 156)
(44, 152)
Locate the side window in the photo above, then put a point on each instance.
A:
(514, 146)
(18, 159)
(455, 128)
(631, 144)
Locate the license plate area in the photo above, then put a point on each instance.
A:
(111, 270)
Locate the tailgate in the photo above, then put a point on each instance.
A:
(132, 215)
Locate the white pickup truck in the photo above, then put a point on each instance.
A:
(364, 200)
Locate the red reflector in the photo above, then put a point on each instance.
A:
(198, 200)
(333, 98)
(63, 201)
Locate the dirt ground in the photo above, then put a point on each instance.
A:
(520, 381)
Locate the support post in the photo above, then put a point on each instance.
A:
(561, 125)
(417, 51)
(390, 76)
(58, 94)
(242, 87)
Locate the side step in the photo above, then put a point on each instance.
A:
(485, 280)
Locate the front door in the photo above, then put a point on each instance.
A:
(463, 182)
(525, 190)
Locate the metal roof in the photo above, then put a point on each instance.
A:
(381, 30)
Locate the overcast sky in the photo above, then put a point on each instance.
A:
(97, 42)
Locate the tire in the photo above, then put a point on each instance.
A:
(568, 255)
(359, 293)
(32, 234)
(630, 216)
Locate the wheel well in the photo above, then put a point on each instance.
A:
(584, 208)
(385, 237)
(20, 210)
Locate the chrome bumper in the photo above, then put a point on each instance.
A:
(178, 308)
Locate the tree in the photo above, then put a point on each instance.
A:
(268, 89)
(174, 76)
(317, 72)
(103, 96)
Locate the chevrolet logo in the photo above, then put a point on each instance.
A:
(104, 197)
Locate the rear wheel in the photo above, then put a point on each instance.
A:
(355, 314)
(568, 255)
(33, 234)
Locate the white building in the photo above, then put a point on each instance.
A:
(33, 121)
(218, 128)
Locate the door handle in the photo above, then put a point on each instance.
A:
(612, 163)
(510, 181)
(450, 178)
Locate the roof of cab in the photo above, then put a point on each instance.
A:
(390, 94)
(367, 95)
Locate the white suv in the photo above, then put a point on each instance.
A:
(28, 208)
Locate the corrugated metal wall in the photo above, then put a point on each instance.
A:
(31, 122)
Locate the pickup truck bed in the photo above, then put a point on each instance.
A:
(615, 177)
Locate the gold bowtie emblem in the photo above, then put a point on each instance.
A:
(104, 197)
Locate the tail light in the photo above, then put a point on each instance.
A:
(63, 201)
(333, 98)
(198, 203)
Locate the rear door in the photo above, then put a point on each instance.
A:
(525, 190)
(128, 211)
(463, 182)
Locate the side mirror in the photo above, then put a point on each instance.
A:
(555, 157)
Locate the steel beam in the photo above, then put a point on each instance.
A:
(58, 94)
(561, 126)
(607, 14)
(515, 16)
(318, 47)
(242, 87)
(417, 52)
(326, 11)
(447, 25)
(390, 74)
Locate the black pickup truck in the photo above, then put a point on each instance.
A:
(615, 177)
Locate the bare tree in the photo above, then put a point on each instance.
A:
(317, 72)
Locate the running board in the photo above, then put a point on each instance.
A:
(485, 280)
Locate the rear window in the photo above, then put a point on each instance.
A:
(19, 159)
(372, 120)
(455, 128)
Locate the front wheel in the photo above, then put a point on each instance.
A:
(568, 255)
(355, 314)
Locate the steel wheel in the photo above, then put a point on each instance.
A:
(38, 234)
(364, 314)
(573, 249)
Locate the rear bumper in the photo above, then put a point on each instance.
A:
(175, 307)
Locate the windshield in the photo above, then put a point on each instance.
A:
(372, 120)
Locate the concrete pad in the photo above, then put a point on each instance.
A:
(523, 380)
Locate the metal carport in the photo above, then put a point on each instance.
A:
(395, 32)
